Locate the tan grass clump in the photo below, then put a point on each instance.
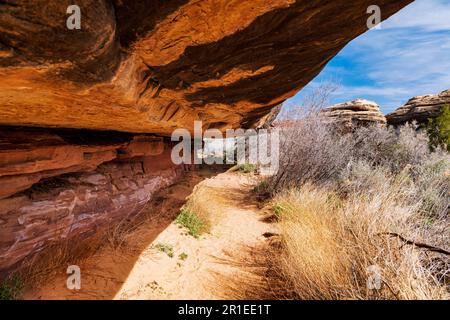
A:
(334, 248)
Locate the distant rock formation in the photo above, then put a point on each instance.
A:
(355, 113)
(267, 121)
(419, 109)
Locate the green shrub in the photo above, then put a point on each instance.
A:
(278, 210)
(246, 168)
(262, 188)
(11, 288)
(439, 129)
(191, 222)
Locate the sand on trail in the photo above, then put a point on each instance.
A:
(212, 264)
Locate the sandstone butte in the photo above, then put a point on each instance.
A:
(355, 113)
(134, 72)
(420, 108)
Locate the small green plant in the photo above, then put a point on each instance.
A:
(438, 129)
(278, 210)
(11, 288)
(167, 249)
(191, 222)
(183, 256)
(429, 221)
(246, 168)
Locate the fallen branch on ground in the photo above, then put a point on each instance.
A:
(417, 244)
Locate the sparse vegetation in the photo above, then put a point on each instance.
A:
(262, 190)
(278, 209)
(439, 129)
(346, 202)
(166, 248)
(192, 222)
(245, 168)
(11, 288)
(201, 211)
(183, 256)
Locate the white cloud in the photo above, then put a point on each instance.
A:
(409, 56)
(431, 15)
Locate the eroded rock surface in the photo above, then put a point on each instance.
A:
(420, 108)
(355, 113)
(152, 66)
(77, 205)
(58, 185)
(30, 155)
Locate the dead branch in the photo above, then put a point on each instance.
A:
(417, 244)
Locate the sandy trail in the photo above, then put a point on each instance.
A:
(139, 270)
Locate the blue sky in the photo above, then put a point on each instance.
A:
(408, 56)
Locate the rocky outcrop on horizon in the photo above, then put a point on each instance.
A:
(354, 113)
(419, 109)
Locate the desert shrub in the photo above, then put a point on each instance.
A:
(310, 152)
(262, 187)
(432, 185)
(347, 201)
(246, 168)
(439, 129)
(192, 222)
(166, 248)
(331, 245)
(314, 151)
(388, 147)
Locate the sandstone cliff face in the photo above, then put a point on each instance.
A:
(75, 206)
(153, 65)
(67, 185)
(28, 156)
(355, 113)
(419, 109)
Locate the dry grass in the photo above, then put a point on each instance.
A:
(258, 276)
(37, 269)
(329, 246)
(117, 235)
(353, 203)
(202, 211)
(47, 264)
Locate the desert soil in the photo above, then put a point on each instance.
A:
(218, 265)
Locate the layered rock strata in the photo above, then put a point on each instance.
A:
(152, 66)
(60, 187)
(355, 113)
(420, 109)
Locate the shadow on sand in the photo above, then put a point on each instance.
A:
(106, 260)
